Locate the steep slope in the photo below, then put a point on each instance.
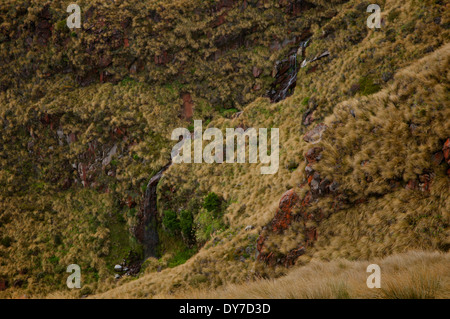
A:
(87, 117)
(375, 211)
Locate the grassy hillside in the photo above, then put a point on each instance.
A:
(412, 275)
(397, 219)
(87, 116)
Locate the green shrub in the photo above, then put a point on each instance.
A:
(212, 202)
(171, 222)
(187, 225)
(207, 224)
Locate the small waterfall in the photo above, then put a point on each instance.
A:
(146, 231)
(292, 78)
(286, 75)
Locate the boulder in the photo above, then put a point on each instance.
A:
(314, 136)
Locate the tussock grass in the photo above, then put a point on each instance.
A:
(412, 275)
(390, 78)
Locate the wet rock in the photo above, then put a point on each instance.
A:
(316, 58)
(285, 74)
(146, 230)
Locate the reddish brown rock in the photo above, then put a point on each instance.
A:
(260, 243)
(3, 284)
(437, 158)
(188, 106)
(283, 216)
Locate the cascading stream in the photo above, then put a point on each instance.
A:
(146, 231)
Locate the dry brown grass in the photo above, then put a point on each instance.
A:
(412, 275)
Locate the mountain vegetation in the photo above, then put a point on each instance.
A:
(86, 117)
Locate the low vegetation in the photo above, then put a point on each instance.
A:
(86, 118)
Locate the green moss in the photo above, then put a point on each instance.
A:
(367, 86)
